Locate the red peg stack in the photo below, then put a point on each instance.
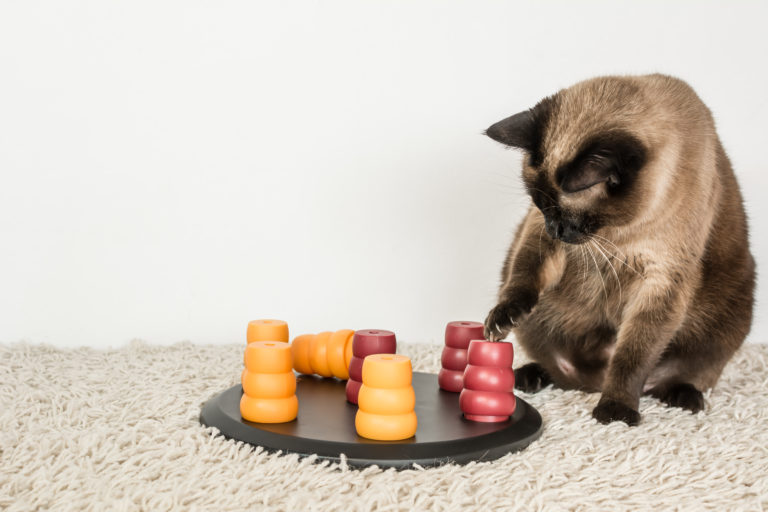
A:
(488, 382)
(365, 343)
(454, 358)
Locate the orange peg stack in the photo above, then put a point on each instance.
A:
(386, 399)
(265, 330)
(327, 354)
(269, 384)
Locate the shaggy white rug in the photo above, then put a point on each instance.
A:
(118, 430)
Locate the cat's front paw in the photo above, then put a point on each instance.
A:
(608, 410)
(507, 314)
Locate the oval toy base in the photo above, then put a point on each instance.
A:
(325, 427)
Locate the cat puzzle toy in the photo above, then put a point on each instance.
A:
(403, 417)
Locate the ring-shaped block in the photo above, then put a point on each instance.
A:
(269, 385)
(386, 401)
(490, 353)
(267, 330)
(356, 368)
(337, 347)
(489, 378)
(300, 353)
(487, 403)
(268, 357)
(459, 334)
(353, 390)
(373, 341)
(386, 427)
(318, 358)
(269, 410)
(348, 352)
(387, 371)
(453, 358)
(450, 380)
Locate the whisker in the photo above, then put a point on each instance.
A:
(595, 235)
(597, 268)
(618, 282)
(623, 261)
(548, 196)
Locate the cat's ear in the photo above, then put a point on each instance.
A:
(517, 131)
(589, 172)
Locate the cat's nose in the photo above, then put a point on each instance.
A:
(571, 234)
(564, 230)
(554, 228)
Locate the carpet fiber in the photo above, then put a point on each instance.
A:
(118, 430)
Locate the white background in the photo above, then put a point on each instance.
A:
(171, 169)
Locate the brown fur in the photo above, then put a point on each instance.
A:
(659, 296)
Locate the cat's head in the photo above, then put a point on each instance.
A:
(584, 157)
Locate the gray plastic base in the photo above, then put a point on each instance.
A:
(326, 427)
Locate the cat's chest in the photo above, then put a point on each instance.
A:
(595, 284)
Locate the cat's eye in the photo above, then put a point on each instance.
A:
(587, 175)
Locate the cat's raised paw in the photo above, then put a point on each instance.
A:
(608, 410)
(531, 378)
(683, 395)
(507, 314)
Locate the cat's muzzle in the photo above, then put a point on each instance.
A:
(565, 230)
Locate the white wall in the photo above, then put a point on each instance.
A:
(172, 169)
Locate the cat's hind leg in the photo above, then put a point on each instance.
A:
(683, 395)
(566, 357)
(698, 353)
(531, 378)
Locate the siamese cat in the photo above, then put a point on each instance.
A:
(631, 272)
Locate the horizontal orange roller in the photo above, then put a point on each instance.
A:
(348, 352)
(337, 347)
(300, 352)
(318, 354)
